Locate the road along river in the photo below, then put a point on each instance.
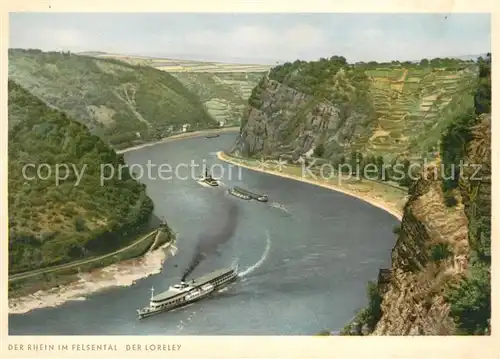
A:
(305, 256)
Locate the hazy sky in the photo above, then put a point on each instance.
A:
(257, 37)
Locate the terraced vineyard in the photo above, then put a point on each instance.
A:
(225, 95)
(413, 106)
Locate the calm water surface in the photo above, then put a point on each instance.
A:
(310, 252)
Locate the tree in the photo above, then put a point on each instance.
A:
(355, 161)
(471, 302)
(424, 63)
(379, 162)
(482, 97)
(319, 150)
(406, 180)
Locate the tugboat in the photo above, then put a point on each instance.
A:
(179, 295)
(208, 180)
(243, 192)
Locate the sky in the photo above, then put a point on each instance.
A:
(256, 38)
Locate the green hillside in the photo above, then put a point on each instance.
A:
(223, 88)
(124, 104)
(52, 223)
(225, 95)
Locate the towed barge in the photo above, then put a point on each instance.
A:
(245, 194)
(179, 295)
(235, 193)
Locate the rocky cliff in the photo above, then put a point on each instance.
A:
(290, 121)
(388, 110)
(431, 251)
(440, 280)
(432, 254)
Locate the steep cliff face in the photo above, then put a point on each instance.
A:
(288, 121)
(385, 110)
(435, 247)
(430, 253)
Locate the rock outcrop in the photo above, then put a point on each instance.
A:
(291, 122)
(434, 244)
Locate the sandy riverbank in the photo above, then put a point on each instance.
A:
(121, 274)
(377, 202)
(180, 136)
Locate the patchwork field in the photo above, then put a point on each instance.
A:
(413, 106)
(176, 65)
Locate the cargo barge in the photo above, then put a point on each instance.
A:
(238, 194)
(245, 194)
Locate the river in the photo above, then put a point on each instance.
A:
(307, 253)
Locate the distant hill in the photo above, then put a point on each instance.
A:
(470, 57)
(224, 94)
(52, 223)
(122, 103)
(224, 88)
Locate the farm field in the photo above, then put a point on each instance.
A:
(177, 65)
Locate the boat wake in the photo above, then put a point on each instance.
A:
(280, 207)
(261, 260)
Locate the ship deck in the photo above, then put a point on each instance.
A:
(194, 283)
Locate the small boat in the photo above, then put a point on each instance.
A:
(212, 136)
(208, 180)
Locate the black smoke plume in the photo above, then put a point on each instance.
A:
(224, 215)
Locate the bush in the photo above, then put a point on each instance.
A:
(470, 301)
(440, 251)
(323, 333)
(319, 150)
(374, 303)
(449, 199)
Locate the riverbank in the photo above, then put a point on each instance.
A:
(181, 136)
(377, 194)
(121, 274)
